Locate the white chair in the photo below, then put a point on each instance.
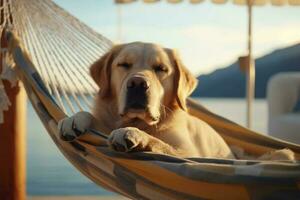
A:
(283, 93)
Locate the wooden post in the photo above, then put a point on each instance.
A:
(250, 68)
(12, 143)
(119, 24)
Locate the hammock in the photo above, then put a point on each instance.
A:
(52, 56)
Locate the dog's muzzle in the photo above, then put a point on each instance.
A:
(137, 93)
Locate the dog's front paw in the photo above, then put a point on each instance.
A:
(128, 139)
(72, 127)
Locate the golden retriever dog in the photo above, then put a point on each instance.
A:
(141, 105)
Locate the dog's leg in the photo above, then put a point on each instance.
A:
(72, 127)
(282, 154)
(133, 139)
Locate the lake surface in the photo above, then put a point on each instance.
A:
(49, 173)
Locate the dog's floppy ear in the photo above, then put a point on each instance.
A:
(101, 71)
(184, 81)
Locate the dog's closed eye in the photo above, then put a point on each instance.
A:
(125, 65)
(160, 68)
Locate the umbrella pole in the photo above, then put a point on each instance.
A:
(119, 22)
(250, 68)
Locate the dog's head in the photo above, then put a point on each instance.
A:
(144, 79)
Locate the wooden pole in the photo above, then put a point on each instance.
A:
(250, 68)
(12, 143)
(119, 23)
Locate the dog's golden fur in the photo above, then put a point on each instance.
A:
(163, 125)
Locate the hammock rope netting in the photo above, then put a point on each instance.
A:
(53, 50)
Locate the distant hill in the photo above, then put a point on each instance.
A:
(231, 82)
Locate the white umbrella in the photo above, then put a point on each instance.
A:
(246, 62)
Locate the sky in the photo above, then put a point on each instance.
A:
(208, 36)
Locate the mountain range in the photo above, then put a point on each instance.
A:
(230, 81)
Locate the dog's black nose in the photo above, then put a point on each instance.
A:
(137, 89)
(137, 82)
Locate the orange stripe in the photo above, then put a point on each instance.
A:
(152, 192)
(173, 181)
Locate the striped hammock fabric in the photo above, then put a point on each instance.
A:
(52, 54)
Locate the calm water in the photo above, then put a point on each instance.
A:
(48, 173)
